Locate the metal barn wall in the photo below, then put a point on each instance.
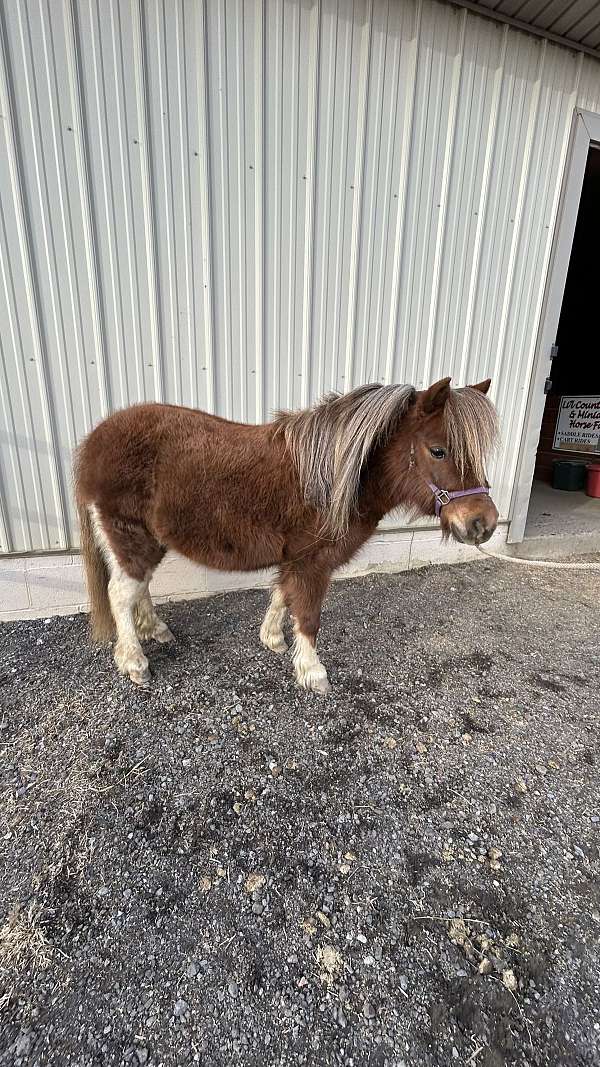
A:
(239, 204)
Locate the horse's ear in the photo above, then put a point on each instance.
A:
(483, 387)
(436, 396)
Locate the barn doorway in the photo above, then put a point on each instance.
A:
(562, 518)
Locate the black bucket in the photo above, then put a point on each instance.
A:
(568, 475)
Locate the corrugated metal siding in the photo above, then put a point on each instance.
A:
(240, 204)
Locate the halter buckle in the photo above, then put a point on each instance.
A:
(443, 497)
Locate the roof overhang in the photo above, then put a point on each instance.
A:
(572, 23)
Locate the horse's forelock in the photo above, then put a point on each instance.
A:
(472, 427)
(330, 443)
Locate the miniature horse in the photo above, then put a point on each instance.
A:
(301, 493)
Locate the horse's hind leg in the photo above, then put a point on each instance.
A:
(131, 553)
(148, 624)
(271, 631)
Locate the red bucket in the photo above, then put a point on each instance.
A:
(593, 480)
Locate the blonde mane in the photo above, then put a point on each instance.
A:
(471, 423)
(330, 443)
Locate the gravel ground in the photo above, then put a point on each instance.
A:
(228, 870)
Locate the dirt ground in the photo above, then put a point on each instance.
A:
(228, 870)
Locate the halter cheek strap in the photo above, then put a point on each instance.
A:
(443, 496)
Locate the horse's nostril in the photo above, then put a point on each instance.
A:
(477, 530)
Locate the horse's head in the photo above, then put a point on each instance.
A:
(453, 431)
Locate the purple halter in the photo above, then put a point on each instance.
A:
(443, 496)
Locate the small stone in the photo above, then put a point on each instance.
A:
(181, 1008)
(369, 961)
(350, 856)
(344, 868)
(485, 966)
(205, 884)
(403, 982)
(192, 970)
(457, 931)
(275, 768)
(509, 979)
(237, 807)
(254, 881)
(257, 908)
(421, 748)
(142, 1054)
(512, 940)
(232, 989)
(323, 919)
(22, 1045)
(390, 742)
(361, 938)
(494, 853)
(368, 1010)
(221, 872)
(103, 891)
(520, 786)
(541, 769)
(466, 739)
(186, 763)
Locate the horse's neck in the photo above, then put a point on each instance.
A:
(387, 483)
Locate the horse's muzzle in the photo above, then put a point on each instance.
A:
(474, 532)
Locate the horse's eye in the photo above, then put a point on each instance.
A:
(438, 453)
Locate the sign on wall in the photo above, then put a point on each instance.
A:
(578, 424)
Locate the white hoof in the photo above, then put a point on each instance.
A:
(162, 634)
(273, 639)
(132, 662)
(315, 679)
(140, 678)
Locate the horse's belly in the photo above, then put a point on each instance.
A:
(232, 550)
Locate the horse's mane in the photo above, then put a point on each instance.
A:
(471, 423)
(330, 442)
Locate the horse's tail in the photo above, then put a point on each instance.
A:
(96, 572)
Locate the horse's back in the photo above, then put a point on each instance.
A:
(152, 455)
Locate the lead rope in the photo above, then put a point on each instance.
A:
(539, 562)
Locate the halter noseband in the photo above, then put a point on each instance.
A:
(444, 496)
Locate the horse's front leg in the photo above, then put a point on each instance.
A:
(303, 589)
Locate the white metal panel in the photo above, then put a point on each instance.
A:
(239, 204)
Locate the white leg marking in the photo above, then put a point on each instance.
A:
(271, 631)
(147, 622)
(124, 594)
(310, 672)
